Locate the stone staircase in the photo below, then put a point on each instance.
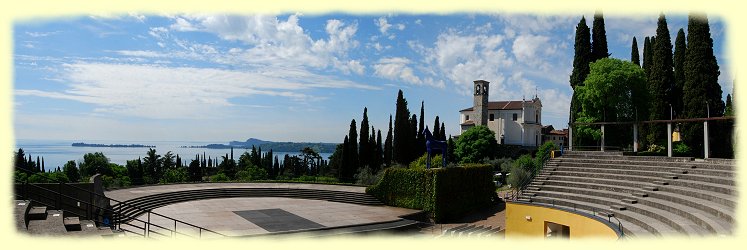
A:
(38, 220)
(650, 195)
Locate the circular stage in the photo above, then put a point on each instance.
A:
(248, 216)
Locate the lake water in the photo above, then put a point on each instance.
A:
(58, 152)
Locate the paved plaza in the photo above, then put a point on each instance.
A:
(257, 215)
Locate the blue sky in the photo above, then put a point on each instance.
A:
(292, 77)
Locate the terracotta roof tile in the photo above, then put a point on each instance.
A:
(503, 105)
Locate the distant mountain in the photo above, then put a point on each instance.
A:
(320, 147)
(81, 144)
(248, 143)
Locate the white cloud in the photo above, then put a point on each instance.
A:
(383, 25)
(171, 92)
(533, 49)
(41, 34)
(397, 68)
(138, 17)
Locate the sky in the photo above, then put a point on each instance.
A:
(293, 77)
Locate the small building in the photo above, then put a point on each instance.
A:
(559, 137)
(514, 122)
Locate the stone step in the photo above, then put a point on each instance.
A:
(673, 177)
(20, 213)
(661, 183)
(652, 172)
(650, 188)
(622, 165)
(37, 213)
(686, 198)
(642, 179)
(71, 223)
(618, 207)
(630, 201)
(51, 225)
(628, 161)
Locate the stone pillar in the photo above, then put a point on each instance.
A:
(570, 137)
(669, 139)
(602, 137)
(705, 139)
(635, 137)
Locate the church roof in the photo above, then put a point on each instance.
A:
(502, 105)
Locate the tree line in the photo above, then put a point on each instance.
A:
(363, 152)
(679, 81)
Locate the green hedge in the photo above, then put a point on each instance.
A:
(445, 193)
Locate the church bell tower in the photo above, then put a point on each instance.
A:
(480, 107)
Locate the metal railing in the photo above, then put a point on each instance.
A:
(117, 217)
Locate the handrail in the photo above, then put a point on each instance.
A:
(116, 224)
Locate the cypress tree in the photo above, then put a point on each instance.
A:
(647, 57)
(729, 110)
(450, 147)
(661, 81)
(701, 82)
(365, 148)
(345, 159)
(598, 38)
(401, 136)
(581, 60)
(38, 165)
(679, 71)
(378, 151)
(412, 152)
(442, 133)
(436, 128)
(352, 151)
(388, 145)
(634, 56)
(582, 56)
(421, 138)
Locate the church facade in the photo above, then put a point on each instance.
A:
(514, 122)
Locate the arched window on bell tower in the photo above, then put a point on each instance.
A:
(477, 89)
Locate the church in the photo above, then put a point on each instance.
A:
(514, 122)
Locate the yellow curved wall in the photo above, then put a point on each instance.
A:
(517, 225)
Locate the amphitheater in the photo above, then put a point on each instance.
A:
(650, 196)
(211, 210)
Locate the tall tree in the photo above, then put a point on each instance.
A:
(634, 55)
(20, 159)
(401, 139)
(413, 139)
(388, 145)
(352, 152)
(679, 71)
(701, 93)
(378, 151)
(660, 82)
(598, 38)
(365, 148)
(647, 57)
(421, 138)
(152, 163)
(581, 60)
(436, 128)
(729, 109)
(442, 132)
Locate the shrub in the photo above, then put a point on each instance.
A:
(420, 163)
(444, 193)
(543, 153)
(366, 176)
(174, 175)
(251, 173)
(476, 144)
(653, 148)
(681, 149)
(220, 177)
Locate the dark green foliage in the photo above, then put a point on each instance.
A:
(598, 38)
(364, 146)
(701, 84)
(378, 153)
(582, 55)
(94, 163)
(661, 81)
(195, 173)
(444, 193)
(679, 72)
(680, 149)
(476, 144)
(647, 57)
(228, 167)
(413, 140)
(729, 110)
(134, 171)
(152, 164)
(421, 127)
(388, 145)
(71, 171)
(634, 54)
(442, 133)
(613, 91)
(402, 132)
(351, 154)
(522, 170)
(336, 160)
(450, 145)
(436, 128)
(175, 175)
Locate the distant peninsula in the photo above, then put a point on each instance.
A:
(80, 144)
(320, 147)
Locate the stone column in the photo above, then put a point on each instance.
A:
(669, 139)
(602, 137)
(635, 137)
(705, 139)
(570, 137)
